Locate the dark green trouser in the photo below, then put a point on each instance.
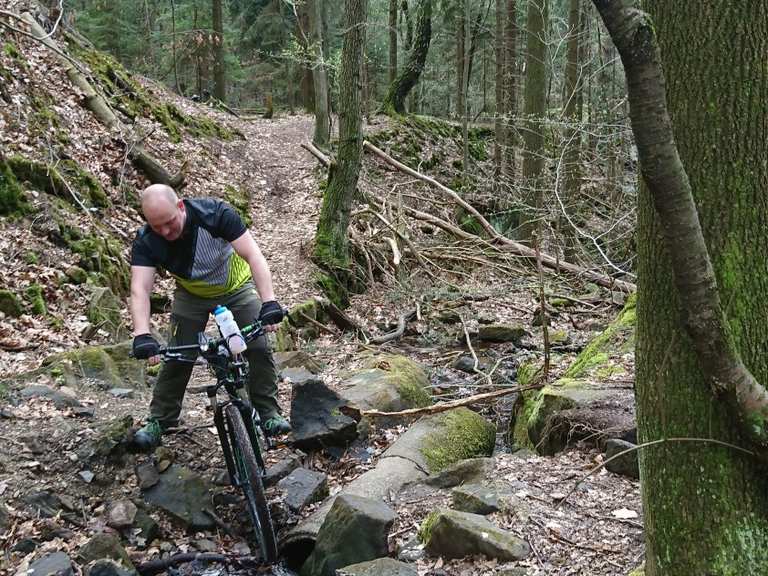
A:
(189, 316)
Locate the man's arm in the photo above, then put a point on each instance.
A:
(248, 250)
(142, 281)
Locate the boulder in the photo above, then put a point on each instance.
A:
(476, 499)
(378, 567)
(355, 530)
(502, 333)
(584, 403)
(104, 546)
(317, 419)
(104, 313)
(454, 534)
(103, 367)
(121, 514)
(461, 472)
(184, 495)
(626, 465)
(147, 528)
(54, 564)
(302, 487)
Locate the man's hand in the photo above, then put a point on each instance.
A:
(271, 314)
(145, 347)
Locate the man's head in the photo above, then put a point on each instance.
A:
(164, 212)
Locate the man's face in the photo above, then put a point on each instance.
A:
(166, 219)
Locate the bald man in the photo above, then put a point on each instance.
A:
(204, 244)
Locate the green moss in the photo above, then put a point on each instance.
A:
(30, 257)
(76, 275)
(12, 200)
(58, 179)
(407, 376)
(336, 291)
(425, 530)
(103, 257)
(463, 434)
(10, 304)
(10, 50)
(36, 299)
(241, 202)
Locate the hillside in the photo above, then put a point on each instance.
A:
(68, 213)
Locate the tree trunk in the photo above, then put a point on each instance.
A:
(219, 75)
(498, 124)
(392, 40)
(332, 239)
(535, 108)
(571, 168)
(322, 132)
(460, 58)
(394, 102)
(509, 164)
(706, 507)
(465, 91)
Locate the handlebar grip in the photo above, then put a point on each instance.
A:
(274, 317)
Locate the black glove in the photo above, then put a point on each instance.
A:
(145, 346)
(271, 313)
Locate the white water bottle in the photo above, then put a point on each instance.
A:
(229, 329)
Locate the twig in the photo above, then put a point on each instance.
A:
(218, 521)
(319, 325)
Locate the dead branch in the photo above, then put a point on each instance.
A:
(397, 332)
(324, 160)
(317, 324)
(161, 565)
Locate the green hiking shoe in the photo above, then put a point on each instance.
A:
(148, 436)
(276, 425)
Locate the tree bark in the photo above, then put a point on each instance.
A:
(219, 71)
(535, 109)
(322, 134)
(394, 102)
(392, 40)
(509, 164)
(332, 238)
(498, 124)
(460, 57)
(706, 508)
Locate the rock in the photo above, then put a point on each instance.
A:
(302, 487)
(121, 393)
(59, 400)
(104, 312)
(355, 530)
(502, 333)
(55, 564)
(460, 434)
(454, 534)
(389, 383)
(316, 417)
(10, 304)
(33, 443)
(121, 514)
(297, 375)
(104, 546)
(476, 499)
(84, 411)
(46, 504)
(4, 518)
(449, 316)
(86, 475)
(378, 567)
(104, 367)
(76, 275)
(106, 567)
(205, 545)
(184, 495)
(147, 475)
(297, 359)
(462, 472)
(626, 465)
(411, 551)
(467, 364)
(25, 546)
(111, 441)
(281, 469)
(148, 529)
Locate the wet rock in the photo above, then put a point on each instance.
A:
(355, 530)
(378, 567)
(121, 514)
(316, 417)
(626, 465)
(454, 534)
(147, 475)
(55, 564)
(302, 487)
(281, 469)
(25, 545)
(106, 567)
(59, 399)
(461, 472)
(476, 499)
(184, 495)
(104, 546)
(502, 333)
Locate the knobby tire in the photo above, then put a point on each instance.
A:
(251, 484)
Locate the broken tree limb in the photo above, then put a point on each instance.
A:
(397, 332)
(97, 105)
(496, 239)
(324, 160)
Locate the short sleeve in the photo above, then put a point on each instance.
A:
(229, 224)
(141, 255)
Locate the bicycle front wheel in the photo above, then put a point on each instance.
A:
(249, 479)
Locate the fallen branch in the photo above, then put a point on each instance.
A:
(397, 332)
(161, 565)
(319, 325)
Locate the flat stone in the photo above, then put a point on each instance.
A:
(378, 567)
(121, 514)
(104, 546)
(303, 487)
(59, 400)
(462, 472)
(501, 333)
(476, 499)
(147, 475)
(626, 465)
(281, 469)
(55, 564)
(455, 534)
(121, 392)
(184, 495)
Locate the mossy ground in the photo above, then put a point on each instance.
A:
(462, 434)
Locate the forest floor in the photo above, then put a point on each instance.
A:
(598, 531)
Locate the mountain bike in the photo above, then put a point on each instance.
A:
(239, 427)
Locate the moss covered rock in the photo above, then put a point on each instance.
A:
(460, 433)
(12, 199)
(10, 304)
(104, 312)
(583, 403)
(102, 366)
(34, 295)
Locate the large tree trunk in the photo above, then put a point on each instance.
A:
(392, 40)
(332, 239)
(394, 102)
(322, 134)
(706, 506)
(535, 108)
(509, 164)
(460, 57)
(498, 125)
(572, 94)
(219, 75)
